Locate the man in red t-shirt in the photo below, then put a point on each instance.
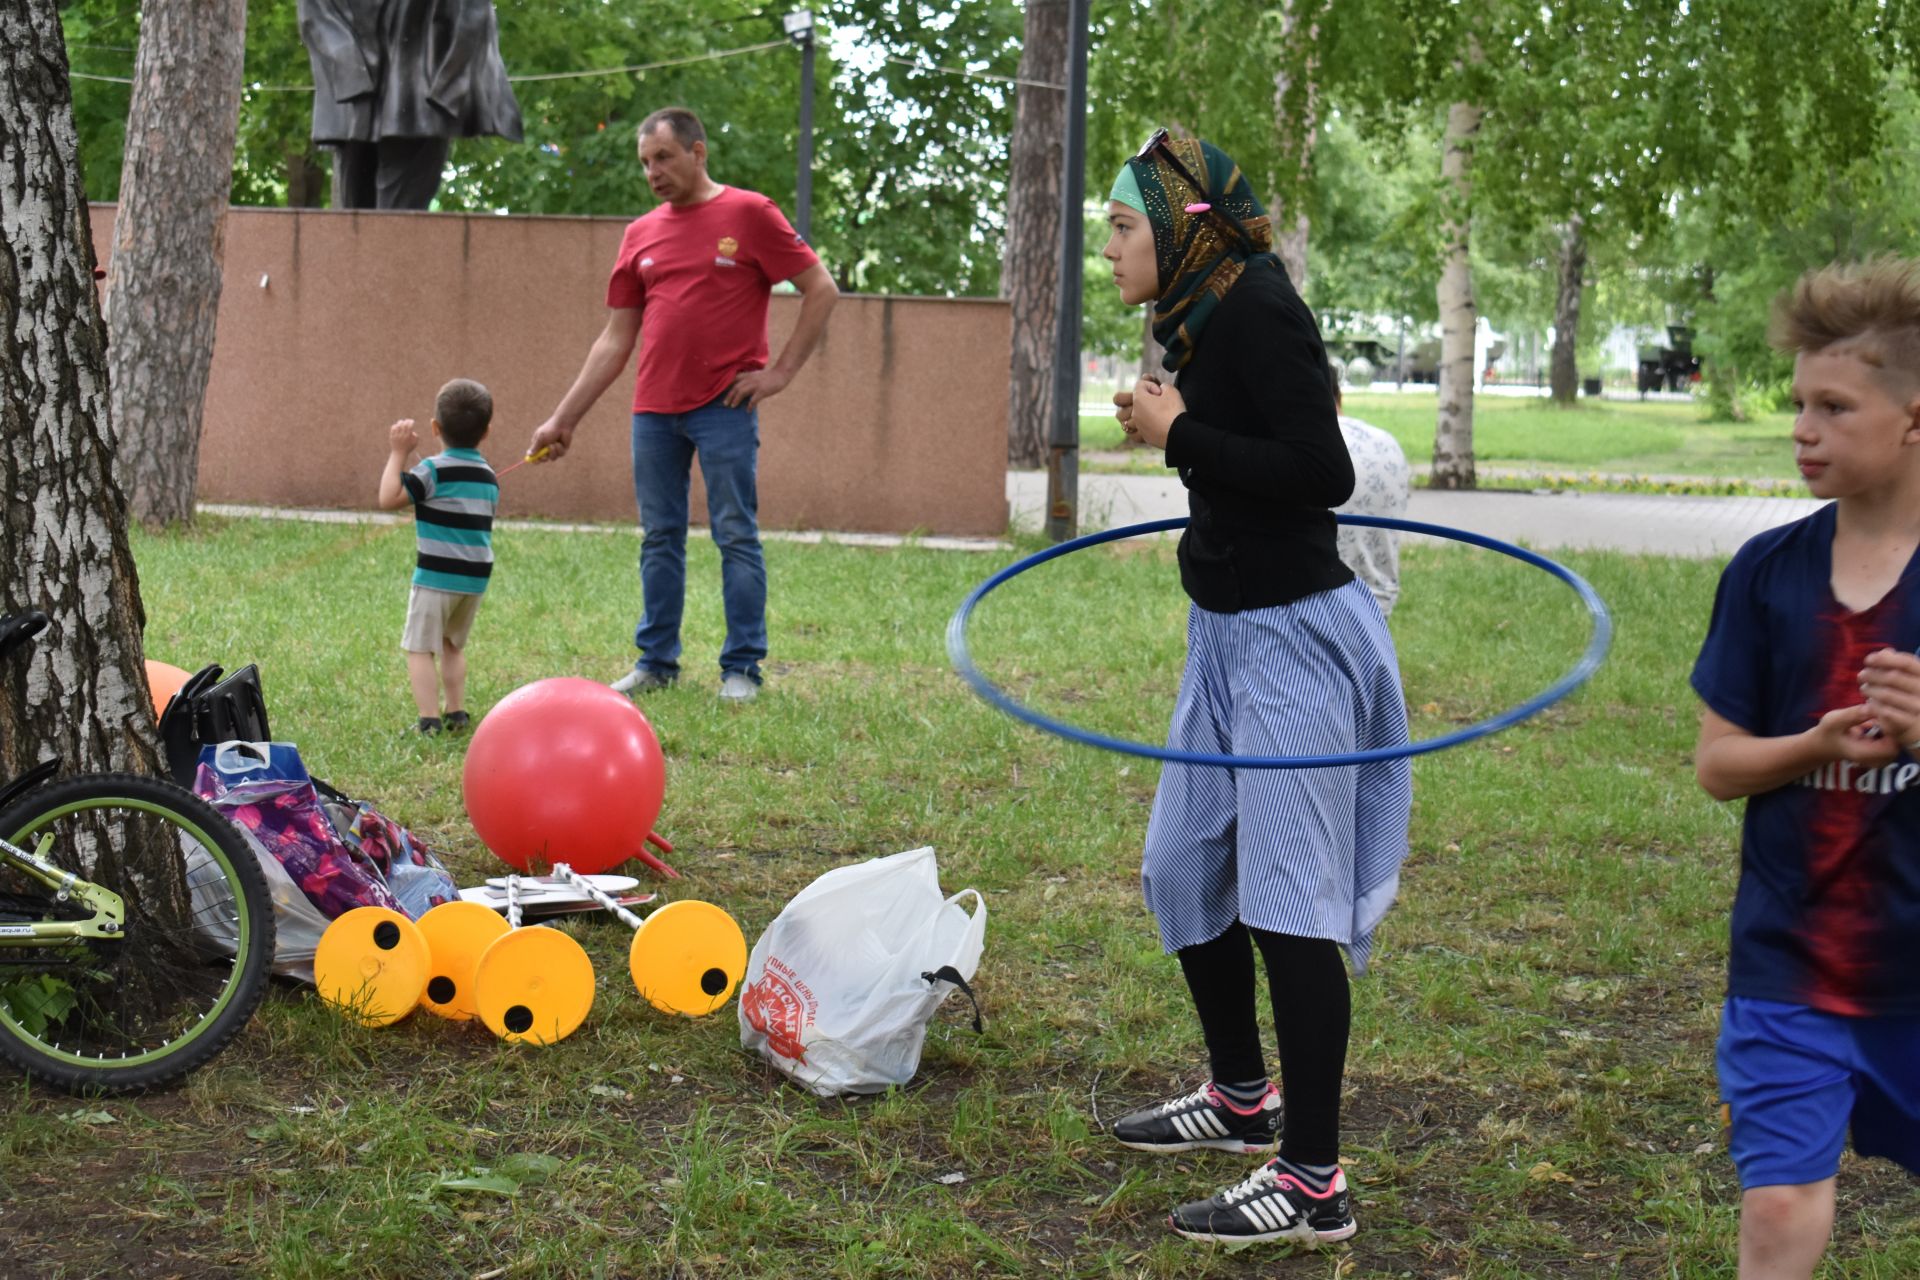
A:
(691, 285)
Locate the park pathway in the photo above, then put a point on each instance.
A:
(1657, 524)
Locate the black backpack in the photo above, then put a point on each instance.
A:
(209, 709)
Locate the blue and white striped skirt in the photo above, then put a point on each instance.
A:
(1311, 852)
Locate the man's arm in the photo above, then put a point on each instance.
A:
(605, 361)
(818, 293)
(1730, 762)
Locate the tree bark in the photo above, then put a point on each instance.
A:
(1296, 119)
(63, 528)
(1152, 354)
(1565, 376)
(163, 284)
(1030, 268)
(306, 179)
(1453, 432)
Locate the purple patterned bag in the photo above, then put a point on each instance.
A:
(341, 854)
(289, 823)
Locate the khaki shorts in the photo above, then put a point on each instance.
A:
(436, 619)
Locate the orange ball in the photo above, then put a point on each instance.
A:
(163, 681)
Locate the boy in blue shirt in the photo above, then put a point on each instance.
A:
(454, 494)
(1812, 695)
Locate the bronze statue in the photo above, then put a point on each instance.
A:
(394, 81)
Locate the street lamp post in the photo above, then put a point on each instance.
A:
(799, 28)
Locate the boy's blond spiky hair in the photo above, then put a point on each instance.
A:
(1869, 310)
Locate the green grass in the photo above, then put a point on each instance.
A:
(1531, 1089)
(1621, 438)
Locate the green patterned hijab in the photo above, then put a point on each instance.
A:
(1203, 236)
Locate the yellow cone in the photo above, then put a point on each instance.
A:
(534, 985)
(457, 934)
(687, 958)
(371, 965)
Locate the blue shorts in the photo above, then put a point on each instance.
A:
(1795, 1078)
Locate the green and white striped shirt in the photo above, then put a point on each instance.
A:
(454, 495)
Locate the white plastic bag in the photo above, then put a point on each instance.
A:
(840, 987)
(297, 923)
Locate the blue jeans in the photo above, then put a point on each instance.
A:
(728, 444)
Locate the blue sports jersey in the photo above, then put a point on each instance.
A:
(1828, 909)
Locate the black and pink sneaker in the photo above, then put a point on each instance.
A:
(1203, 1118)
(1271, 1205)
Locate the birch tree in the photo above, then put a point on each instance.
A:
(63, 530)
(1459, 318)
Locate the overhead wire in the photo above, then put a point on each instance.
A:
(635, 68)
(521, 79)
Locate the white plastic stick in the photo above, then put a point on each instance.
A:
(598, 894)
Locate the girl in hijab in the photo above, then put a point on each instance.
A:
(1287, 654)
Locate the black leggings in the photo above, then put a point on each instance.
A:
(1312, 1014)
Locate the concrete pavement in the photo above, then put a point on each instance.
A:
(1647, 523)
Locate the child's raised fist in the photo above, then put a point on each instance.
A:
(402, 436)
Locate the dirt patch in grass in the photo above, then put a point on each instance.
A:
(94, 1209)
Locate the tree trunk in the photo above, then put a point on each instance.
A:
(1152, 354)
(63, 527)
(1566, 313)
(1030, 269)
(306, 179)
(1724, 397)
(1296, 118)
(1453, 432)
(163, 283)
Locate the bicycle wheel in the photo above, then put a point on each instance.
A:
(187, 969)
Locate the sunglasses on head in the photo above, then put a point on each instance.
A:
(1158, 142)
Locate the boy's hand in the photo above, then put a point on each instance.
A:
(1842, 735)
(1152, 407)
(1891, 682)
(402, 438)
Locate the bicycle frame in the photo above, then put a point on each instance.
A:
(109, 910)
(109, 917)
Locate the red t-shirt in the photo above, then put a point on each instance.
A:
(703, 275)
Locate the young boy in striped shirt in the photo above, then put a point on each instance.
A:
(454, 494)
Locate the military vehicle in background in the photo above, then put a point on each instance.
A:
(1673, 367)
(1366, 358)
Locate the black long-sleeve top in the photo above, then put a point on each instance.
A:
(1260, 451)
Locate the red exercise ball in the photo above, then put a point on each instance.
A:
(564, 770)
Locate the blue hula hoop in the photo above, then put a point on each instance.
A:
(1597, 644)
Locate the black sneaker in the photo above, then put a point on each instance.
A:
(1270, 1205)
(458, 722)
(1202, 1119)
(429, 726)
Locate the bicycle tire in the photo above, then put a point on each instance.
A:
(154, 1004)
